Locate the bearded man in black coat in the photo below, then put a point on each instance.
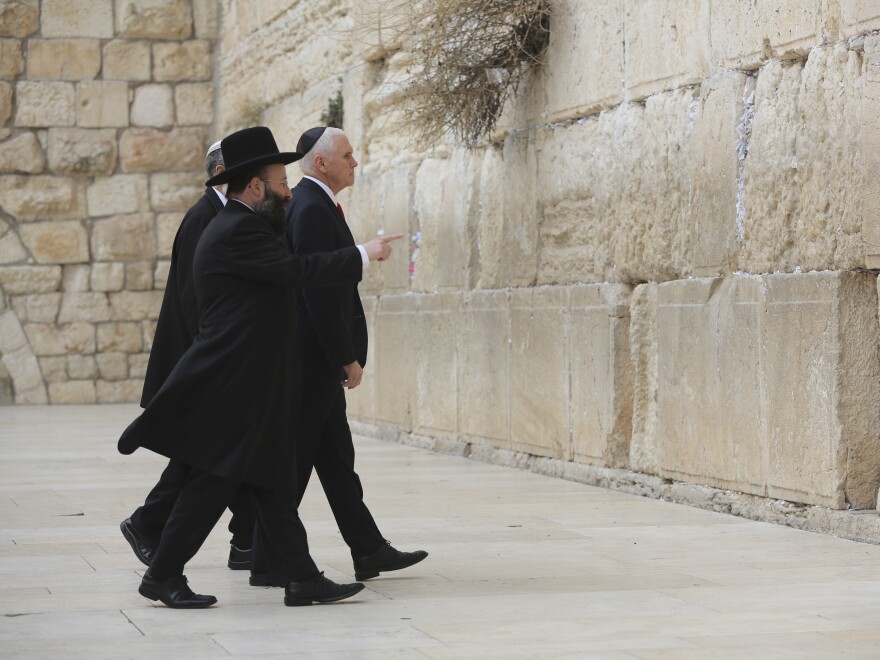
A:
(176, 328)
(227, 410)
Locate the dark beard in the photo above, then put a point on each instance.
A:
(271, 208)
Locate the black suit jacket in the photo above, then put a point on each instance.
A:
(333, 331)
(178, 317)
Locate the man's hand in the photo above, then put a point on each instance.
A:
(355, 372)
(378, 249)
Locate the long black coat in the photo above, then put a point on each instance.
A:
(179, 317)
(333, 331)
(229, 407)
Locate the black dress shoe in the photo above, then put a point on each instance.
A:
(263, 580)
(239, 558)
(142, 550)
(386, 558)
(318, 590)
(173, 592)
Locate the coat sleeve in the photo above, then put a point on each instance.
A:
(184, 249)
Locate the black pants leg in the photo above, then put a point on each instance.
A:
(280, 538)
(241, 526)
(149, 520)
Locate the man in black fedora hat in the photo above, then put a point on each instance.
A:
(228, 408)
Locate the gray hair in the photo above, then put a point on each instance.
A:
(212, 160)
(322, 148)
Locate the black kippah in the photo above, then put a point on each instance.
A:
(309, 138)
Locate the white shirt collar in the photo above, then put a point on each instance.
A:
(323, 186)
(221, 196)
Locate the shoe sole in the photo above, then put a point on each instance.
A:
(239, 565)
(301, 602)
(262, 580)
(133, 543)
(360, 576)
(151, 595)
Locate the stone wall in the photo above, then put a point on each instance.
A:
(106, 109)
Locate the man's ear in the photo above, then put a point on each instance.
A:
(218, 169)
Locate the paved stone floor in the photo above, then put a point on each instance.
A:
(521, 566)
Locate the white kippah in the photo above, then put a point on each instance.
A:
(213, 148)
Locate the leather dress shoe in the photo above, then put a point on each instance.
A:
(239, 558)
(173, 592)
(142, 550)
(318, 590)
(386, 558)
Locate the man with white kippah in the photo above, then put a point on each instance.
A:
(177, 327)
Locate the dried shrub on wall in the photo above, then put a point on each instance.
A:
(468, 58)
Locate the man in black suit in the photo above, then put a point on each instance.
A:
(227, 410)
(332, 343)
(176, 328)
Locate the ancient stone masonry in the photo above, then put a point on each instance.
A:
(106, 109)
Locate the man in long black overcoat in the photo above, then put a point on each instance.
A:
(227, 408)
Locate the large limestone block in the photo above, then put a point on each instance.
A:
(118, 194)
(127, 60)
(54, 369)
(121, 391)
(206, 18)
(136, 305)
(23, 153)
(76, 277)
(167, 225)
(11, 58)
(366, 211)
(151, 150)
(84, 307)
(19, 18)
(11, 249)
(870, 147)
(396, 361)
(56, 242)
(102, 104)
(774, 392)
(397, 215)
(539, 377)
(584, 63)
(124, 238)
(154, 19)
(17, 280)
(600, 369)
(194, 103)
(37, 308)
(667, 44)
(176, 191)
(858, 17)
(361, 401)
(119, 337)
(484, 370)
(112, 367)
(746, 34)
(5, 102)
(63, 59)
(153, 105)
(73, 392)
(82, 151)
(137, 365)
(139, 276)
(45, 103)
(38, 197)
(188, 60)
(27, 380)
(77, 18)
(436, 411)
(107, 276)
(12, 336)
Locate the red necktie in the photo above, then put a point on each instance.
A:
(341, 212)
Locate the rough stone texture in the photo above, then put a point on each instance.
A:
(858, 17)
(153, 105)
(139, 276)
(11, 249)
(63, 59)
(102, 104)
(56, 242)
(151, 150)
(39, 197)
(135, 305)
(206, 17)
(37, 308)
(396, 360)
(120, 390)
(189, 60)
(137, 365)
(80, 367)
(870, 144)
(107, 277)
(30, 279)
(19, 18)
(5, 102)
(54, 369)
(123, 238)
(194, 104)
(166, 229)
(11, 59)
(176, 192)
(82, 151)
(119, 338)
(82, 306)
(112, 367)
(77, 18)
(154, 19)
(118, 194)
(127, 60)
(436, 411)
(22, 154)
(72, 392)
(76, 277)
(45, 103)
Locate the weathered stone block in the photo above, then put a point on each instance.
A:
(120, 391)
(19, 18)
(858, 17)
(12, 335)
(600, 370)
(77, 18)
(189, 60)
(154, 19)
(37, 308)
(5, 102)
(206, 17)
(45, 339)
(149, 330)
(117, 195)
(123, 238)
(75, 277)
(137, 365)
(484, 368)
(56, 242)
(22, 365)
(63, 59)
(167, 225)
(45, 103)
(194, 103)
(102, 104)
(82, 367)
(153, 105)
(22, 153)
(11, 59)
(119, 338)
(870, 152)
(11, 249)
(82, 151)
(112, 367)
(107, 277)
(396, 360)
(176, 191)
(150, 150)
(160, 274)
(127, 60)
(79, 338)
(73, 392)
(88, 307)
(136, 305)
(54, 369)
(40, 197)
(436, 410)
(17, 280)
(139, 276)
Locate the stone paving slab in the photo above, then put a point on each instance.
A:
(521, 566)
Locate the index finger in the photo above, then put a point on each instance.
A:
(390, 237)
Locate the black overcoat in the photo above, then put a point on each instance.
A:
(333, 331)
(229, 406)
(179, 316)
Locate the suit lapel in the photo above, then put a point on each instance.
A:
(341, 224)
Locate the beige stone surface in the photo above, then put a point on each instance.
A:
(56, 242)
(24, 369)
(12, 336)
(76, 277)
(54, 369)
(30, 279)
(136, 305)
(396, 360)
(858, 17)
(39, 197)
(119, 337)
(82, 151)
(436, 411)
(19, 18)
(5, 102)
(166, 229)
(139, 276)
(187, 60)
(119, 391)
(82, 367)
(48, 339)
(194, 103)
(102, 104)
(118, 194)
(77, 18)
(72, 392)
(22, 154)
(108, 276)
(160, 274)
(37, 308)
(151, 150)
(92, 307)
(153, 105)
(63, 59)
(45, 103)
(870, 145)
(127, 60)
(154, 19)
(11, 58)
(176, 191)
(124, 238)
(111, 367)
(11, 249)
(137, 365)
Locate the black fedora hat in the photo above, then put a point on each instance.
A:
(249, 149)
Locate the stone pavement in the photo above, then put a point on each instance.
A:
(521, 565)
